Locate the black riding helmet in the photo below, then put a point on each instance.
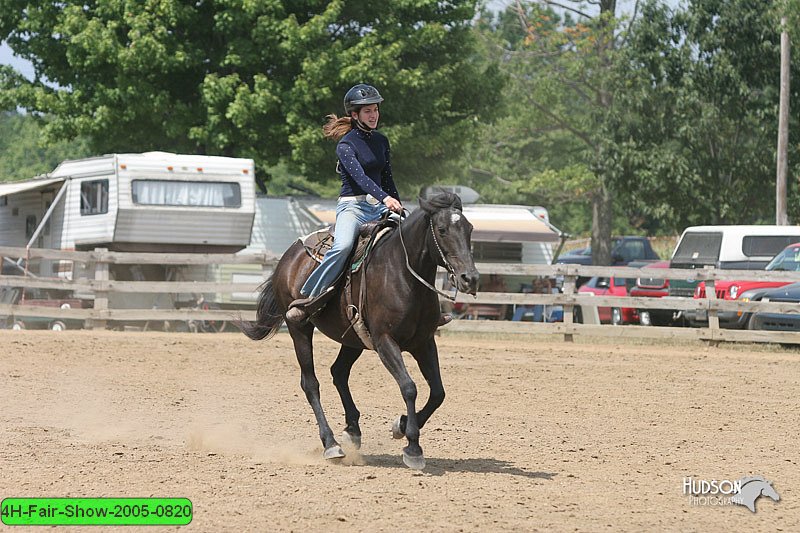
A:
(361, 95)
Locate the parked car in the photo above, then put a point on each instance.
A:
(779, 321)
(649, 287)
(38, 297)
(623, 251)
(787, 260)
(726, 247)
(601, 286)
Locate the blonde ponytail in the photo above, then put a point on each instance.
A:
(336, 127)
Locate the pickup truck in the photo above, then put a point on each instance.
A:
(729, 248)
(623, 251)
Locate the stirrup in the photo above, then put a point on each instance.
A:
(303, 309)
(296, 315)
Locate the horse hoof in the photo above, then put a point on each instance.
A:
(396, 432)
(414, 462)
(353, 441)
(334, 452)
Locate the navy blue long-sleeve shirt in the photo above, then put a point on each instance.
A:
(365, 165)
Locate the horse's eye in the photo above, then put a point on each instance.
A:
(442, 230)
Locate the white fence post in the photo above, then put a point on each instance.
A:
(101, 268)
(713, 319)
(569, 290)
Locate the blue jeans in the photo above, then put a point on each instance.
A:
(349, 217)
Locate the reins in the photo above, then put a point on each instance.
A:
(447, 265)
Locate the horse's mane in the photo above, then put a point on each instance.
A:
(443, 200)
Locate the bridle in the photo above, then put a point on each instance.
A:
(451, 271)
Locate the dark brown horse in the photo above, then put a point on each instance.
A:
(401, 312)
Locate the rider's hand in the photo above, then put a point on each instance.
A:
(393, 204)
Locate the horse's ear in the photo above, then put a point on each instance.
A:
(426, 206)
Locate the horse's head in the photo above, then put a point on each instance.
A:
(452, 234)
(768, 490)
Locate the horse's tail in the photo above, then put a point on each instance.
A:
(268, 316)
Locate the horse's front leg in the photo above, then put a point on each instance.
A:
(301, 337)
(340, 370)
(427, 358)
(392, 358)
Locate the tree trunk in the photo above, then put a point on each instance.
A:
(602, 203)
(602, 212)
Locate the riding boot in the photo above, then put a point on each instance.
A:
(444, 319)
(303, 309)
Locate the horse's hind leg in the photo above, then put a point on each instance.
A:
(340, 370)
(301, 337)
(428, 360)
(392, 359)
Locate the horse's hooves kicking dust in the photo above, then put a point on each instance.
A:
(351, 441)
(334, 452)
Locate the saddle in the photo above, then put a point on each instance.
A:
(319, 242)
(317, 245)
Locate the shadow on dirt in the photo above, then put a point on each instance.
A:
(478, 465)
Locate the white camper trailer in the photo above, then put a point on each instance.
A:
(147, 202)
(151, 202)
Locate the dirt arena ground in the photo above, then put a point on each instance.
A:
(535, 433)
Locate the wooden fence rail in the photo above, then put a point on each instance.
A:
(97, 287)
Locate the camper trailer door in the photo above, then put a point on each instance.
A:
(46, 236)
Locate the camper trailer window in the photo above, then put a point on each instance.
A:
(505, 252)
(94, 197)
(186, 193)
(30, 226)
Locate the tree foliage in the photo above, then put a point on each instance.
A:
(643, 125)
(248, 78)
(687, 133)
(701, 114)
(552, 146)
(23, 155)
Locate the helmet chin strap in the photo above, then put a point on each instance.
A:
(363, 126)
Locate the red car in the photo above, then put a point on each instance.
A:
(787, 259)
(612, 287)
(654, 288)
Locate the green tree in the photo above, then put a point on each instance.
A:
(248, 78)
(23, 155)
(684, 135)
(697, 139)
(554, 143)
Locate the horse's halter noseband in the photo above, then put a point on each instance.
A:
(451, 271)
